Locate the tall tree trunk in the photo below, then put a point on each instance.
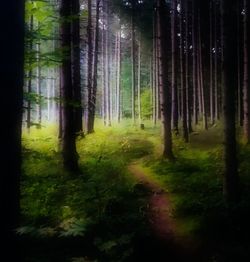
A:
(103, 50)
(39, 85)
(239, 63)
(107, 64)
(201, 80)
(175, 114)
(90, 65)
(11, 75)
(188, 89)
(139, 79)
(69, 153)
(183, 82)
(165, 88)
(216, 98)
(76, 68)
(118, 78)
(231, 179)
(211, 63)
(246, 87)
(195, 71)
(155, 72)
(91, 119)
(133, 61)
(30, 76)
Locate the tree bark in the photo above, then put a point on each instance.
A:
(76, 67)
(246, 86)
(175, 114)
(183, 82)
(11, 75)
(231, 179)
(165, 88)
(70, 157)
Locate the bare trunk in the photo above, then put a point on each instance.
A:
(69, 153)
(231, 179)
(175, 114)
(76, 68)
(246, 84)
(165, 88)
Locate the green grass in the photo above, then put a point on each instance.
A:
(104, 202)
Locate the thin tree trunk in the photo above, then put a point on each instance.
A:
(133, 62)
(39, 86)
(91, 119)
(188, 89)
(216, 99)
(246, 86)
(202, 89)
(183, 82)
(118, 79)
(211, 64)
(175, 114)
(194, 44)
(76, 68)
(139, 80)
(90, 64)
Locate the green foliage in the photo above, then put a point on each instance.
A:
(102, 202)
(146, 105)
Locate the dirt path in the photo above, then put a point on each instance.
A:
(159, 213)
(163, 225)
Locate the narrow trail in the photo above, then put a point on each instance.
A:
(159, 213)
(167, 245)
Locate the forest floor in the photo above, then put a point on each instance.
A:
(173, 247)
(149, 210)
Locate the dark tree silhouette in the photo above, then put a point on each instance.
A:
(11, 81)
(68, 128)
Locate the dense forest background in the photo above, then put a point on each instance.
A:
(126, 130)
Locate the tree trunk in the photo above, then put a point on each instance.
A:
(90, 66)
(211, 64)
(195, 71)
(201, 84)
(183, 82)
(139, 80)
(39, 86)
(118, 78)
(30, 76)
(231, 179)
(76, 68)
(246, 86)
(68, 130)
(187, 86)
(11, 75)
(216, 98)
(165, 88)
(91, 119)
(175, 114)
(133, 62)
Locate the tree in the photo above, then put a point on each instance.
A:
(246, 87)
(174, 68)
(182, 79)
(11, 76)
(92, 109)
(165, 88)
(133, 61)
(68, 128)
(231, 179)
(76, 68)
